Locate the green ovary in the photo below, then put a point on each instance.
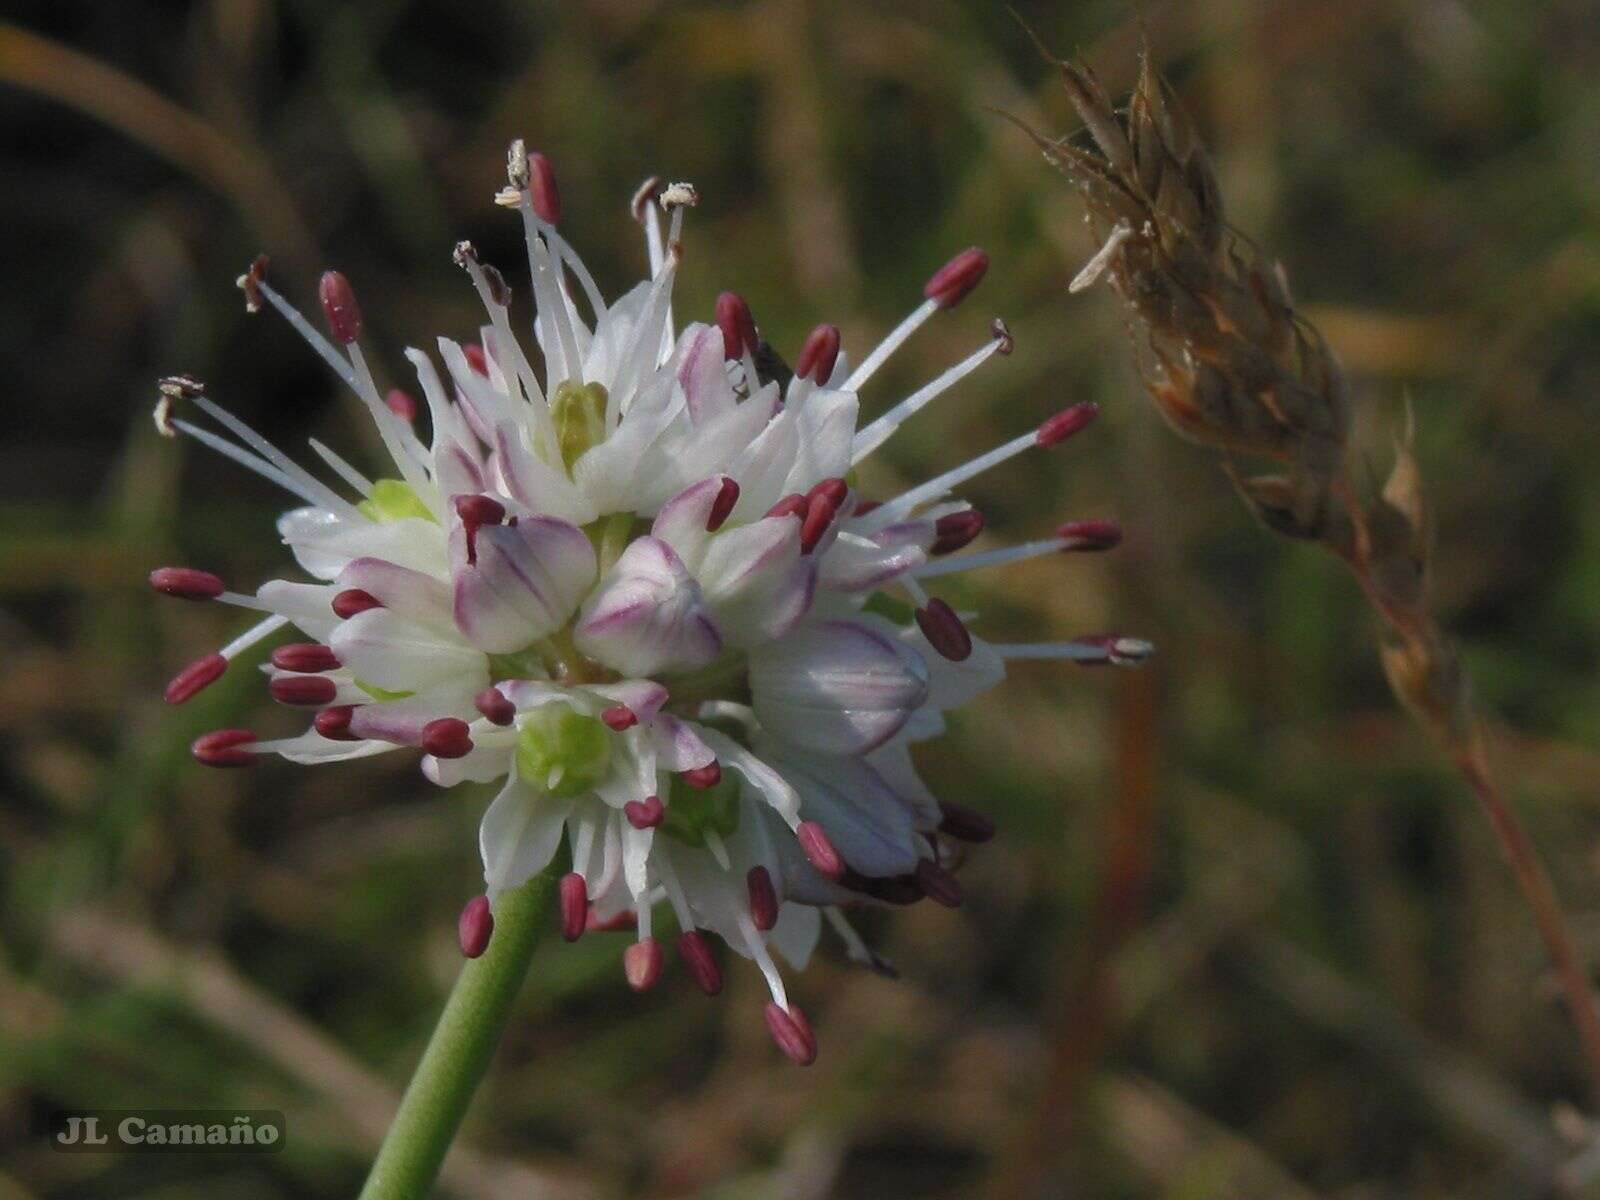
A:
(378, 693)
(561, 751)
(691, 812)
(579, 414)
(393, 500)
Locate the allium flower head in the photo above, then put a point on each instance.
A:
(637, 589)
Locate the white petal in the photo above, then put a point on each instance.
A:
(836, 687)
(519, 835)
(827, 429)
(872, 829)
(526, 583)
(756, 580)
(416, 596)
(384, 649)
(324, 542)
(648, 615)
(795, 935)
(678, 745)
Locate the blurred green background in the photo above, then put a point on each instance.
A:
(1240, 935)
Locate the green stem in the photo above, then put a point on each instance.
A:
(458, 1054)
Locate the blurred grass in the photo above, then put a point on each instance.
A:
(1235, 897)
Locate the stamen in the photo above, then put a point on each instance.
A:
(574, 897)
(955, 531)
(542, 191)
(616, 922)
(186, 583)
(323, 347)
(619, 718)
(303, 689)
(791, 1036)
(307, 658)
(885, 427)
(944, 630)
(224, 748)
(339, 307)
(789, 506)
(492, 703)
(738, 326)
(641, 964)
(646, 813)
(352, 601)
(475, 927)
(954, 282)
(1089, 651)
(195, 678)
(251, 636)
(898, 336)
(476, 358)
(822, 505)
(1074, 536)
(763, 898)
(698, 961)
(704, 777)
(819, 850)
(857, 950)
(341, 468)
(333, 723)
(1090, 535)
(1066, 423)
(447, 737)
(303, 479)
(965, 824)
(401, 403)
(727, 497)
(942, 886)
(819, 355)
(476, 512)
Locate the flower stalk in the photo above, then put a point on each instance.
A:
(459, 1051)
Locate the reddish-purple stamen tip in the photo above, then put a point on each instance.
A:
(954, 531)
(792, 1036)
(965, 824)
(819, 354)
(492, 703)
(727, 497)
(352, 601)
(619, 718)
(224, 748)
(1066, 423)
(573, 894)
(953, 282)
(476, 358)
(704, 777)
(402, 404)
(763, 898)
(646, 813)
(302, 689)
(542, 191)
(339, 307)
(819, 849)
(944, 630)
(186, 583)
(306, 658)
(697, 960)
(1090, 535)
(333, 723)
(447, 737)
(941, 886)
(615, 923)
(822, 505)
(641, 963)
(195, 678)
(738, 326)
(789, 506)
(475, 927)
(479, 510)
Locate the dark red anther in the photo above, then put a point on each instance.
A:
(492, 703)
(195, 678)
(302, 689)
(476, 512)
(619, 718)
(476, 358)
(1066, 423)
(402, 404)
(704, 777)
(763, 897)
(333, 723)
(1090, 535)
(646, 813)
(952, 283)
(727, 497)
(944, 630)
(573, 894)
(224, 748)
(698, 961)
(475, 927)
(542, 192)
(307, 658)
(738, 326)
(789, 506)
(819, 354)
(819, 849)
(339, 307)
(863, 507)
(822, 505)
(792, 1037)
(641, 963)
(186, 583)
(965, 824)
(829, 491)
(615, 923)
(447, 737)
(956, 530)
(352, 601)
(942, 887)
